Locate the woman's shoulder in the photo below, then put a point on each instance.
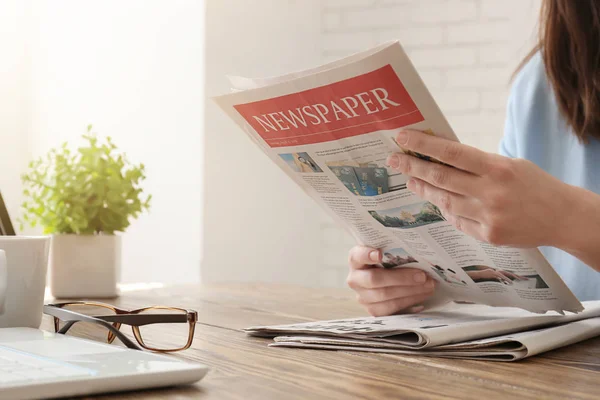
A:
(533, 120)
(531, 83)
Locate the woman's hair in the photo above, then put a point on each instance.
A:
(569, 42)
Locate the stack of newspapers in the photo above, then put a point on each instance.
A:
(453, 331)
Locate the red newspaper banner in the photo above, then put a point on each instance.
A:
(367, 103)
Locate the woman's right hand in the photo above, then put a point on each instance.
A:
(387, 291)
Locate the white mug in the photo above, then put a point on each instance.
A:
(23, 266)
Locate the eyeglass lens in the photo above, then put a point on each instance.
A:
(156, 336)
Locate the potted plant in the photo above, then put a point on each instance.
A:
(84, 199)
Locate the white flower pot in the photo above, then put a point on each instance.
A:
(85, 266)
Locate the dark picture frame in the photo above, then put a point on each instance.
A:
(6, 226)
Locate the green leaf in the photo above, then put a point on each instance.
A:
(95, 189)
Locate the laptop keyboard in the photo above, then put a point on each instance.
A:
(18, 368)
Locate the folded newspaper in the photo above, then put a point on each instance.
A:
(331, 128)
(455, 331)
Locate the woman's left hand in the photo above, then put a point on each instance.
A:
(496, 199)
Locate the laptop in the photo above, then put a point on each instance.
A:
(6, 227)
(36, 364)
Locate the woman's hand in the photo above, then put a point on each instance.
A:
(386, 291)
(495, 199)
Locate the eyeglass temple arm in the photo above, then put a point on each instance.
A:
(129, 318)
(144, 319)
(71, 318)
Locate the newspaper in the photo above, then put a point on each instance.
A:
(511, 347)
(331, 128)
(475, 332)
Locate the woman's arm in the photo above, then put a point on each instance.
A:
(581, 234)
(500, 200)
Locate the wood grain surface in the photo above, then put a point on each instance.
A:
(245, 368)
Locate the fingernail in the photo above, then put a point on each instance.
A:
(411, 184)
(429, 285)
(374, 255)
(402, 137)
(417, 309)
(419, 277)
(393, 161)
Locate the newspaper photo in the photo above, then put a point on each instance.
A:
(331, 129)
(456, 331)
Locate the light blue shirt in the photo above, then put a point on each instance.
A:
(536, 131)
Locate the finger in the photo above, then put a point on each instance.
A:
(375, 278)
(448, 202)
(468, 226)
(415, 309)
(438, 175)
(396, 306)
(453, 153)
(363, 257)
(368, 296)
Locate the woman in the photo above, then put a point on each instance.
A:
(543, 191)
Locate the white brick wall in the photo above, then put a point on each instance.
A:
(465, 51)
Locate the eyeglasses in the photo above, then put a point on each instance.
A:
(152, 327)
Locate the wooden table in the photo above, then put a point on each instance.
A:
(245, 368)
